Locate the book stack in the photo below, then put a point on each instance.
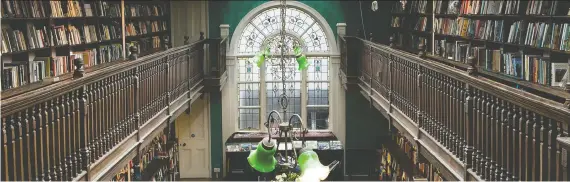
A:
(483, 7)
(29, 9)
(540, 7)
(397, 21)
(421, 24)
(13, 40)
(538, 34)
(138, 10)
(515, 33)
(419, 6)
(561, 37)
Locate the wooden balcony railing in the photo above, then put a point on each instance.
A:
(67, 130)
(495, 131)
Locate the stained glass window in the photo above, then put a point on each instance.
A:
(263, 31)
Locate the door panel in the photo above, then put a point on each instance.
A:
(193, 130)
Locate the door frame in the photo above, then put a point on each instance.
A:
(206, 117)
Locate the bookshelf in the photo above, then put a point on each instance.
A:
(159, 160)
(524, 44)
(40, 39)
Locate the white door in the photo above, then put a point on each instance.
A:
(194, 139)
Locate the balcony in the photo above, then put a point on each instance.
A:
(89, 126)
(469, 125)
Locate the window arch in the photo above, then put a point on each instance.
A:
(259, 89)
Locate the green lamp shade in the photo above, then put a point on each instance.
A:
(311, 167)
(301, 58)
(260, 57)
(262, 159)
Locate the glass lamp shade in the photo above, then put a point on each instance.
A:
(260, 57)
(311, 167)
(262, 159)
(301, 58)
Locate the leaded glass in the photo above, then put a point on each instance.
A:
(263, 31)
(268, 24)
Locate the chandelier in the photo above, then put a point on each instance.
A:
(301, 166)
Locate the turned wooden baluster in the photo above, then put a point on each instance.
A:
(543, 154)
(513, 152)
(506, 144)
(26, 145)
(470, 128)
(488, 132)
(68, 137)
(536, 140)
(92, 132)
(41, 133)
(34, 160)
(98, 121)
(46, 142)
(522, 144)
(552, 147)
(58, 148)
(460, 118)
(10, 148)
(479, 134)
(559, 173)
(494, 137)
(529, 146)
(498, 137)
(19, 148)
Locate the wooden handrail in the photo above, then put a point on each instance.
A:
(33, 97)
(58, 131)
(530, 101)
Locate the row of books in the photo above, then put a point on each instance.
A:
(541, 34)
(465, 27)
(496, 7)
(489, 7)
(68, 8)
(397, 21)
(39, 37)
(421, 24)
(125, 174)
(144, 27)
(419, 6)
(533, 68)
(429, 171)
(19, 73)
(137, 10)
(58, 8)
(147, 44)
(390, 167)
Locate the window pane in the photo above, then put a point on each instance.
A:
(318, 93)
(248, 94)
(248, 71)
(273, 70)
(318, 69)
(248, 119)
(317, 118)
(274, 92)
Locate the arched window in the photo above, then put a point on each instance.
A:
(259, 89)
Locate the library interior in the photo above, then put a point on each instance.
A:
(283, 90)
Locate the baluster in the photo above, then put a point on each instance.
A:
(536, 140)
(505, 141)
(513, 150)
(107, 115)
(19, 148)
(11, 148)
(33, 147)
(41, 142)
(53, 115)
(522, 144)
(559, 167)
(99, 121)
(83, 129)
(480, 158)
(529, 146)
(64, 133)
(478, 133)
(68, 150)
(59, 138)
(47, 142)
(543, 154)
(489, 130)
(459, 118)
(470, 108)
(552, 144)
(27, 146)
(498, 137)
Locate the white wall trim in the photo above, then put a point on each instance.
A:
(295, 4)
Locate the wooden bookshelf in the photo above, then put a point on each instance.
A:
(99, 38)
(509, 33)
